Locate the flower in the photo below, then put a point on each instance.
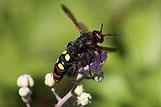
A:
(24, 91)
(83, 99)
(78, 90)
(95, 65)
(99, 78)
(25, 80)
(49, 81)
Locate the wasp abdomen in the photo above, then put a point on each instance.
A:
(61, 66)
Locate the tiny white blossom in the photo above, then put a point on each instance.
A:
(78, 90)
(24, 91)
(49, 81)
(79, 76)
(84, 99)
(25, 80)
(99, 78)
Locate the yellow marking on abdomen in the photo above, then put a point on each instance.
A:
(67, 57)
(60, 66)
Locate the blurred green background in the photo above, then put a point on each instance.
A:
(33, 33)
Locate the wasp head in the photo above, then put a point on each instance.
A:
(97, 36)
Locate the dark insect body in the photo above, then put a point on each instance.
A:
(84, 55)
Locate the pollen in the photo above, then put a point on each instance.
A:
(60, 66)
(67, 57)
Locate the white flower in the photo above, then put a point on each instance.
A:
(49, 81)
(25, 80)
(83, 99)
(98, 78)
(24, 91)
(78, 90)
(79, 76)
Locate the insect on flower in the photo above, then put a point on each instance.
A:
(84, 55)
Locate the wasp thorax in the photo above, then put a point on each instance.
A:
(72, 49)
(97, 36)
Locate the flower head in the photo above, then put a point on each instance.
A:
(84, 99)
(25, 80)
(95, 66)
(49, 81)
(24, 91)
(78, 90)
(100, 77)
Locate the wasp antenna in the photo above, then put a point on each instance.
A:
(101, 28)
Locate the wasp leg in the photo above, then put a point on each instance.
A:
(72, 72)
(90, 76)
(85, 59)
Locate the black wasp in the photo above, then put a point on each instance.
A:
(80, 53)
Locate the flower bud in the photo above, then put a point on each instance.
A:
(78, 90)
(25, 80)
(83, 99)
(24, 91)
(99, 78)
(49, 81)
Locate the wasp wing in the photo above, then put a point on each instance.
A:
(109, 49)
(81, 27)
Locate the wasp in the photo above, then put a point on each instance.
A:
(82, 52)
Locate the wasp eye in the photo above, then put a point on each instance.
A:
(97, 36)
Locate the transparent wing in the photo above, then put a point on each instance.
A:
(83, 27)
(109, 49)
(80, 26)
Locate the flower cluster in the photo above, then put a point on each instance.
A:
(49, 81)
(25, 82)
(94, 68)
(83, 98)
